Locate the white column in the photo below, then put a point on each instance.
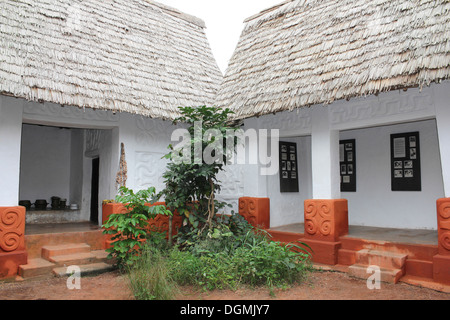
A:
(442, 103)
(255, 183)
(325, 156)
(11, 110)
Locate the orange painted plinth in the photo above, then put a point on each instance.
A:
(160, 223)
(323, 251)
(326, 220)
(441, 269)
(443, 218)
(256, 211)
(441, 261)
(12, 240)
(10, 262)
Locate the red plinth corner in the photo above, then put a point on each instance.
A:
(256, 211)
(12, 240)
(441, 261)
(326, 220)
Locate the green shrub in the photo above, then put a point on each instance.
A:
(150, 277)
(130, 229)
(231, 255)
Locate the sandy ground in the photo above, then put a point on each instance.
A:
(318, 286)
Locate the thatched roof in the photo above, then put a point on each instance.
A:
(301, 53)
(136, 56)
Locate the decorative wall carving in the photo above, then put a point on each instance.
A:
(153, 132)
(326, 219)
(12, 228)
(161, 223)
(53, 110)
(443, 206)
(297, 120)
(256, 211)
(318, 218)
(232, 186)
(148, 170)
(247, 209)
(381, 107)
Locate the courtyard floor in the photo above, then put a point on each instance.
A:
(320, 285)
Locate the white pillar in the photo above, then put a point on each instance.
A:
(325, 156)
(442, 103)
(255, 183)
(11, 110)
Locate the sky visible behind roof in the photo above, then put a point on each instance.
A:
(224, 21)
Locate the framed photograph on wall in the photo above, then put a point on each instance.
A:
(405, 162)
(347, 161)
(288, 167)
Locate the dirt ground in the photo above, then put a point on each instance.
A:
(318, 286)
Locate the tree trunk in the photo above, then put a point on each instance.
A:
(169, 232)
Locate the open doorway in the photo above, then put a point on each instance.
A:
(64, 162)
(94, 190)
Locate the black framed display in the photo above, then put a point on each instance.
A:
(288, 167)
(405, 162)
(347, 165)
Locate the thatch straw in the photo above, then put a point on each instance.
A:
(301, 53)
(134, 56)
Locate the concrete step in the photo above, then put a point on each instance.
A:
(73, 259)
(100, 255)
(382, 259)
(36, 267)
(87, 269)
(64, 249)
(386, 275)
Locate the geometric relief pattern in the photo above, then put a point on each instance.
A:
(149, 168)
(256, 211)
(318, 218)
(56, 111)
(12, 228)
(248, 209)
(161, 223)
(444, 225)
(382, 108)
(326, 220)
(232, 186)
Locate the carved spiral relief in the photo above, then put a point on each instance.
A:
(444, 240)
(444, 224)
(444, 210)
(318, 223)
(11, 228)
(247, 209)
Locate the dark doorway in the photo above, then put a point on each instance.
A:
(94, 189)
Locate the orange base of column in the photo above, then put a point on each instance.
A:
(10, 262)
(322, 251)
(256, 211)
(12, 240)
(441, 269)
(326, 220)
(159, 223)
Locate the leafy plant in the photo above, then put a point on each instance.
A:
(150, 277)
(129, 230)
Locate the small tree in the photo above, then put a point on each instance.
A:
(191, 184)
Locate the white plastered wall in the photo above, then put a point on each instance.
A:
(373, 203)
(370, 120)
(10, 135)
